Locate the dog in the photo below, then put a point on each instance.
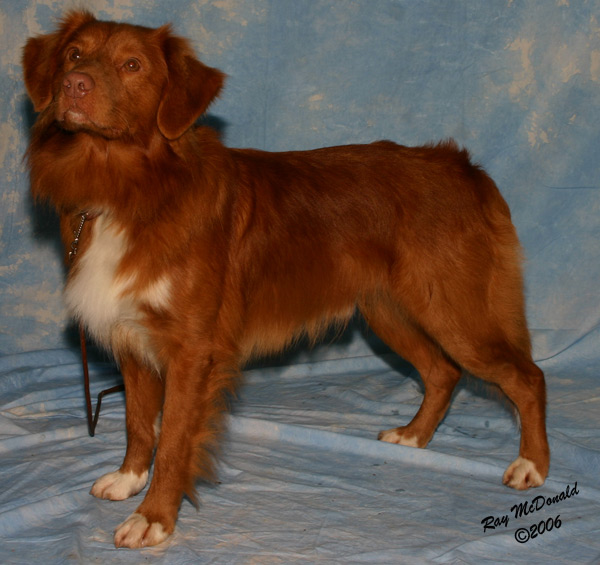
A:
(191, 258)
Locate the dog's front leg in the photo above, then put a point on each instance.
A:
(144, 393)
(195, 400)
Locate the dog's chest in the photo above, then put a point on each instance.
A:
(109, 303)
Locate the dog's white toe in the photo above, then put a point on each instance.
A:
(136, 532)
(118, 485)
(522, 474)
(396, 436)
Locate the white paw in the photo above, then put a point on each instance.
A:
(118, 485)
(395, 436)
(521, 474)
(136, 531)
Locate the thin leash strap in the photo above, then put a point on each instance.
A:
(91, 420)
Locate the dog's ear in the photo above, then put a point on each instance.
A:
(190, 88)
(40, 58)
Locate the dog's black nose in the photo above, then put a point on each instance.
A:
(77, 85)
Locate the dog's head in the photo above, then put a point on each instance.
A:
(117, 80)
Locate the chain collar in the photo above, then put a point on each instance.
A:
(77, 234)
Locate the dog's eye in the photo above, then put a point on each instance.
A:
(133, 65)
(73, 54)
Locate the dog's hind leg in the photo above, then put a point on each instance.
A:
(523, 382)
(480, 324)
(438, 372)
(144, 391)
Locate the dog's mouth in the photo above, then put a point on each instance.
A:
(75, 116)
(75, 119)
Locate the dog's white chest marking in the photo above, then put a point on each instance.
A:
(108, 303)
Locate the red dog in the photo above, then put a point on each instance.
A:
(195, 257)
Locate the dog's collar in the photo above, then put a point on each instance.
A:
(83, 217)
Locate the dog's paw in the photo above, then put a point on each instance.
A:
(522, 474)
(137, 532)
(399, 436)
(118, 485)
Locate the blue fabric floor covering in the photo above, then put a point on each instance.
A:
(302, 477)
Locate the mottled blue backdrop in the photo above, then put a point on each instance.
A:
(516, 82)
